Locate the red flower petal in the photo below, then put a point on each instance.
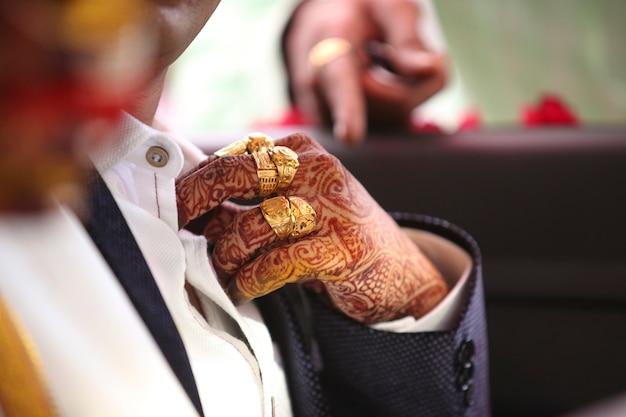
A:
(551, 110)
(471, 120)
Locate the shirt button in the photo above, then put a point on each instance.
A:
(157, 156)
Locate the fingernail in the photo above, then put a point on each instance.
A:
(340, 130)
(350, 136)
(420, 59)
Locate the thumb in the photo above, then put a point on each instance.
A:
(410, 61)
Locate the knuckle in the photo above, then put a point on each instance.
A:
(303, 81)
(330, 163)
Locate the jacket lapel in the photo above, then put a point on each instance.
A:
(111, 234)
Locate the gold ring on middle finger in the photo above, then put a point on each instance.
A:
(303, 216)
(289, 217)
(277, 213)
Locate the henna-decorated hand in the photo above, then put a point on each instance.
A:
(369, 268)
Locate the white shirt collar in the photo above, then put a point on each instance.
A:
(134, 141)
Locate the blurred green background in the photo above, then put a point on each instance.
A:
(507, 52)
(504, 54)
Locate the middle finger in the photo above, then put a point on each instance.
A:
(278, 220)
(241, 240)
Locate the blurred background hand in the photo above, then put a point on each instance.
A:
(385, 74)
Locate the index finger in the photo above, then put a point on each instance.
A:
(222, 179)
(398, 20)
(217, 180)
(339, 83)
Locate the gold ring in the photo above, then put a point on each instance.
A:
(259, 142)
(328, 50)
(267, 173)
(289, 217)
(253, 142)
(236, 148)
(277, 213)
(286, 161)
(304, 217)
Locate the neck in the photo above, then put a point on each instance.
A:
(145, 104)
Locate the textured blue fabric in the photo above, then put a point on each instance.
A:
(338, 367)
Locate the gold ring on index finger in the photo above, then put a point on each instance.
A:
(286, 161)
(253, 142)
(238, 147)
(328, 50)
(259, 142)
(266, 172)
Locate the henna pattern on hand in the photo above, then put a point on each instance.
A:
(205, 188)
(368, 267)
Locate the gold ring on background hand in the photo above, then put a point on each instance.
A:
(253, 142)
(267, 172)
(286, 161)
(289, 216)
(328, 50)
